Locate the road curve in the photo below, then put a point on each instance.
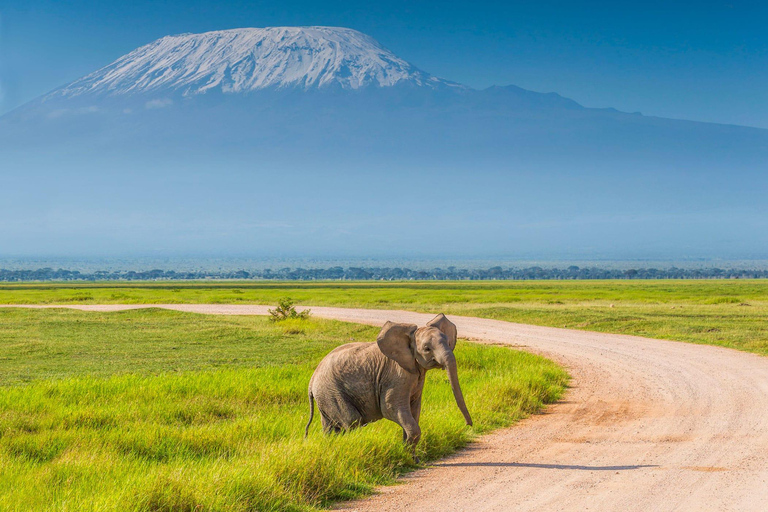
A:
(647, 425)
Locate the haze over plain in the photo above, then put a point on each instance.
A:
(357, 152)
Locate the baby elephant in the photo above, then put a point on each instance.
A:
(359, 383)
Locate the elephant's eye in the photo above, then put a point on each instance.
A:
(427, 349)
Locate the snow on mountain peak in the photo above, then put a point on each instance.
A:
(242, 60)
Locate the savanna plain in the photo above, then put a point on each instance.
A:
(161, 410)
(728, 313)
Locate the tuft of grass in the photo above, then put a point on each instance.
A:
(723, 300)
(123, 424)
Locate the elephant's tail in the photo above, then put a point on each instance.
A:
(311, 413)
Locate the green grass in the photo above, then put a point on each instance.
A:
(156, 410)
(727, 313)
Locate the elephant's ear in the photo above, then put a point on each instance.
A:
(396, 342)
(446, 327)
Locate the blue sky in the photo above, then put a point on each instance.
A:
(700, 60)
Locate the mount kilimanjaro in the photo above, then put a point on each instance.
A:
(319, 140)
(246, 60)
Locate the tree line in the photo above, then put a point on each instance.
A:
(384, 274)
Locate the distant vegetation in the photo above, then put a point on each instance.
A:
(386, 274)
(157, 410)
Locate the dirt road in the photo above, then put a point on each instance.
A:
(648, 425)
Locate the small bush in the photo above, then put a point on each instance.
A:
(285, 310)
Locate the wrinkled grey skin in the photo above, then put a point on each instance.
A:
(358, 383)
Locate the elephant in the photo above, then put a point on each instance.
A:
(359, 383)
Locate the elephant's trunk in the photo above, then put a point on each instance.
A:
(453, 377)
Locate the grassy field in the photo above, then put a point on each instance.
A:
(728, 313)
(156, 410)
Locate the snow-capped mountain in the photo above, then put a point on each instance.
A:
(294, 138)
(249, 59)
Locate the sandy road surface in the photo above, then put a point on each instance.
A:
(649, 425)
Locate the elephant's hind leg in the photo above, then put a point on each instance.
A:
(340, 416)
(329, 426)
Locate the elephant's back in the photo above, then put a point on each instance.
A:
(350, 359)
(349, 349)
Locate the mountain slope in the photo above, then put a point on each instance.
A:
(243, 60)
(319, 139)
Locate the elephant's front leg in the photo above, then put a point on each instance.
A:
(411, 429)
(400, 413)
(396, 406)
(416, 408)
(415, 412)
